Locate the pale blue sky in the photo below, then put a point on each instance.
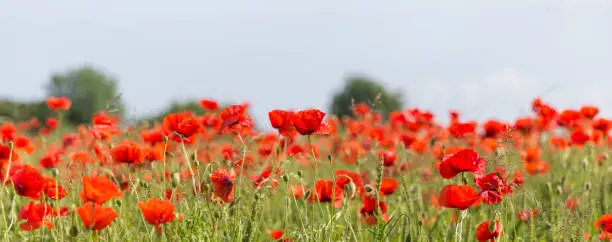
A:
(485, 58)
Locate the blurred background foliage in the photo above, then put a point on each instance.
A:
(91, 90)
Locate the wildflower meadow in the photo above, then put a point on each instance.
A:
(406, 176)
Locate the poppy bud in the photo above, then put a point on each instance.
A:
(285, 178)
(548, 187)
(350, 189)
(176, 179)
(74, 231)
(559, 190)
(196, 163)
(118, 202)
(165, 139)
(278, 150)
(143, 184)
(194, 156)
(307, 193)
(55, 172)
(11, 144)
(329, 157)
(299, 173)
(587, 186)
(368, 188)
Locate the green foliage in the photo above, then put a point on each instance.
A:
(178, 107)
(20, 111)
(362, 89)
(90, 91)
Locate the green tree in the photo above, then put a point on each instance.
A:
(90, 91)
(362, 89)
(21, 111)
(178, 106)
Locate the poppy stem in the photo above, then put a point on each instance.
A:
(195, 190)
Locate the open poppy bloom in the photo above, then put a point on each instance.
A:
(388, 157)
(462, 161)
(95, 216)
(458, 196)
(282, 121)
(369, 209)
(209, 104)
(326, 191)
(181, 125)
(235, 118)
(297, 191)
(493, 188)
(99, 189)
(127, 152)
(308, 121)
(52, 189)
(388, 186)
(157, 212)
(483, 233)
(37, 215)
(526, 215)
(57, 103)
(28, 182)
(605, 223)
(223, 184)
(344, 178)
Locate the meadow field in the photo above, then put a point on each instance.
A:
(410, 176)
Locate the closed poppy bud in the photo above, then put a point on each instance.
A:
(559, 190)
(118, 203)
(585, 163)
(299, 173)
(165, 138)
(587, 186)
(285, 178)
(55, 172)
(307, 193)
(350, 189)
(329, 157)
(74, 231)
(176, 179)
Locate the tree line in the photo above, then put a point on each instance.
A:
(91, 90)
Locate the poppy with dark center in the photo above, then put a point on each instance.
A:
(579, 137)
(209, 104)
(235, 118)
(28, 182)
(157, 213)
(326, 191)
(604, 223)
(53, 190)
(223, 184)
(57, 103)
(127, 152)
(95, 216)
(458, 196)
(181, 125)
(369, 209)
(99, 189)
(589, 112)
(388, 186)
(483, 233)
(492, 187)
(283, 122)
(37, 215)
(465, 160)
(308, 121)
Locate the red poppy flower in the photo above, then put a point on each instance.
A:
(605, 223)
(571, 204)
(127, 152)
(53, 190)
(462, 161)
(537, 167)
(234, 118)
(28, 182)
(369, 209)
(323, 190)
(56, 103)
(579, 137)
(344, 177)
(276, 234)
(51, 123)
(155, 153)
(5, 154)
(308, 121)
(388, 186)
(526, 215)
(95, 216)
(37, 215)
(458, 196)
(484, 234)
(208, 104)
(153, 136)
(282, 121)
(493, 188)
(157, 212)
(589, 112)
(388, 157)
(181, 125)
(297, 191)
(8, 131)
(223, 184)
(258, 179)
(99, 189)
